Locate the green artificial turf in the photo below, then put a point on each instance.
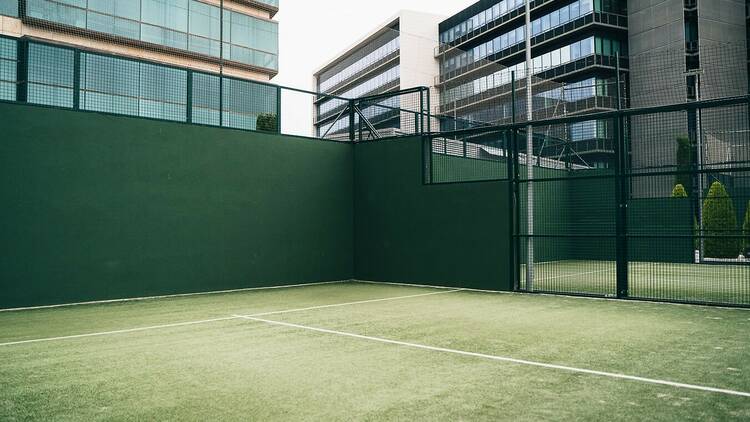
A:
(241, 369)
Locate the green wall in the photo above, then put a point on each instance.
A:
(450, 234)
(101, 207)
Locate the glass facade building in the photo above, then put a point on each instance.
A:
(88, 55)
(9, 8)
(574, 44)
(82, 80)
(372, 68)
(187, 25)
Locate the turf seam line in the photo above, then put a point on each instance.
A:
(138, 299)
(205, 321)
(505, 359)
(634, 301)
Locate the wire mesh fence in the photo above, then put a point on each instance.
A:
(640, 193)
(470, 157)
(42, 73)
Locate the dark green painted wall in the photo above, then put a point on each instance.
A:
(451, 234)
(101, 207)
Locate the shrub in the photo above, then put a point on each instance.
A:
(746, 229)
(679, 191)
(684, 161)
(267, 122)
(719, 219)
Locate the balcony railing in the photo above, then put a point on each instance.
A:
(471, 67)
(582, 22)
(343, 84)
(444, 48)
(563, 70)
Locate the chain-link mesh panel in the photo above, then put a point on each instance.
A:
(566, 227)
(687, 205)
(473, 157)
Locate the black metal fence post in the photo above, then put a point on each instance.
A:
(621, 193)
(189, 99)
(76, 79)
(429, 111)
(22, 70)
(352, 134)
(278, 109)
(510, 160)
(421, 111)
(514, 203)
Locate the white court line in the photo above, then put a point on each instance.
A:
(576, 274)
(136, 299)
(557, 295)
(205, 321)
(355, 303)
(106, 333)
(504, 359)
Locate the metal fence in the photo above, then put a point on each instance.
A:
(668, 220)
(49, 74)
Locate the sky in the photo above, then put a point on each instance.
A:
(312, 32)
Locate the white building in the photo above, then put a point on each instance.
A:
(396, 55)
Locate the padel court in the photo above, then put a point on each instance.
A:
(374, 351)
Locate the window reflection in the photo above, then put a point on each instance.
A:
(188, 25)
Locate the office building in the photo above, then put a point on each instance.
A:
(574, 44)
(183, 60)
(396, 55)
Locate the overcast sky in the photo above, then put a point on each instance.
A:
(311, 32)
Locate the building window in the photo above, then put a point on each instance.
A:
(134, 88)
(188, 25)
(50, 75)
(109, 84)
(245, 101)
(8, 66)
(206, 100)
(9, 8)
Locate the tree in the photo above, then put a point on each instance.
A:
(267, 122)
(719, 219)
(746, 229)
(684, 162)
(679, 191)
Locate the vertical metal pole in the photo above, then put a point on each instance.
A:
(621, 193)
(529, 155)
(76, 79)
(512, 257)
(22, 70)
(516, 203)
(432, 152)
(699, 146)
(221, 64)
(278, 109)
(566, 134)
(189, 99)
(429, 112)
(421, 113)
(352, 135)
(455, 115)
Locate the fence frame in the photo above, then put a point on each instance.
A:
(620, 177)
